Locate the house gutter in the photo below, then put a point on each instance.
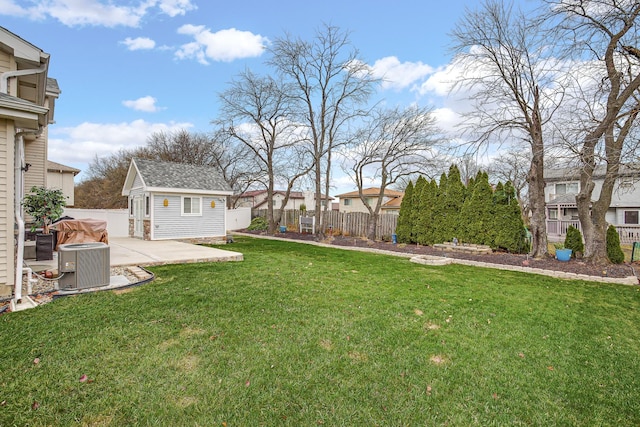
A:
(4, 77)
(19, 175)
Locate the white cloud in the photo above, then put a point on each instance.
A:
(399, 75)
(176, 7)
(146, 104)
(95, 12)
(139, 43)
(81, 144)
(224, 45)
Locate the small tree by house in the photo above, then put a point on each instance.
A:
(45, 206)
(614, 251)
(573, 241)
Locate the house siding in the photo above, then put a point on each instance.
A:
(62, 181)
(5, 61)
(6, 209)
(35, 153)
(168, 223)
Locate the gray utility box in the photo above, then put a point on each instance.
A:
(83, 265)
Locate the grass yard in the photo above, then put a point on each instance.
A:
(301, 335)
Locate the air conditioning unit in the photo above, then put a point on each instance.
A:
(85, 265)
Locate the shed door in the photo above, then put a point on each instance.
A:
(138, 216)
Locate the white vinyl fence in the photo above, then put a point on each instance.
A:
(118, 219)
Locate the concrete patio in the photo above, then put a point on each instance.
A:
(125, 251)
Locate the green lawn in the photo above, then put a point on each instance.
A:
(301, 335)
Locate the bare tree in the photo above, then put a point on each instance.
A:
(181, 146)
(256, 112)
(330, 83)
(513, 165)
(512, 77)
(391, 145)
(603, 36)
(238, 164)
(102, 189)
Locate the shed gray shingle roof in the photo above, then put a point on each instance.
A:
(159, 174)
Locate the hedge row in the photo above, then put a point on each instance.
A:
(476, 213)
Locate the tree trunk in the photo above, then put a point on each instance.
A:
(372, 226)
(536, 192)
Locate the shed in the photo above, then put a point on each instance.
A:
(176, 201)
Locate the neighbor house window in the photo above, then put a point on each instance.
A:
(553, 214)
(147, 205)
(567, 188)
(347, 202)
(191, 205)
(131, 206)
(631, 217)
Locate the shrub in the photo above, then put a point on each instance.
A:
(573, 241)
(258, 223)
(614, 251)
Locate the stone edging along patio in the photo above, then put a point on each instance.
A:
(436, 260)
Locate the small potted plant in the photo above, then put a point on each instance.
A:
(562, 253)
(44, 206)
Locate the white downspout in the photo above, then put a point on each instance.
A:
(18, 175)
(18, 190)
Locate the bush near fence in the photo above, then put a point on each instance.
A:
(339, 223)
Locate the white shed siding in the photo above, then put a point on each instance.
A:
(168, 222)
(137, 182)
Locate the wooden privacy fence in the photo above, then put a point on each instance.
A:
(348, 224)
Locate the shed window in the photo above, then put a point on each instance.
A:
(192, 206)
(631, 217)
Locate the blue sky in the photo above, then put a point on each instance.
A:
(129, 68)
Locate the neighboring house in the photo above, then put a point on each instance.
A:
(27, 100)
(176, 201)
(351, 202)
(258, 199)
(392, 207)
(560, 191)
(60, 177)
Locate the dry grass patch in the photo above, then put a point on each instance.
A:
(186, 401)
(438, 359)
(431, 326)
(326, 344)
(188, 363)
(356, 356)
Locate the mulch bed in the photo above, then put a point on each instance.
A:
(504, 258)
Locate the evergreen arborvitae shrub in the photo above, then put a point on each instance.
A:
(509, 231)
(614, 251)
(258, 223)
(478, 212)
(452, 205)
(405, 223)
(426, 227)
(416, 211)
(439, 211)
(573, 241)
